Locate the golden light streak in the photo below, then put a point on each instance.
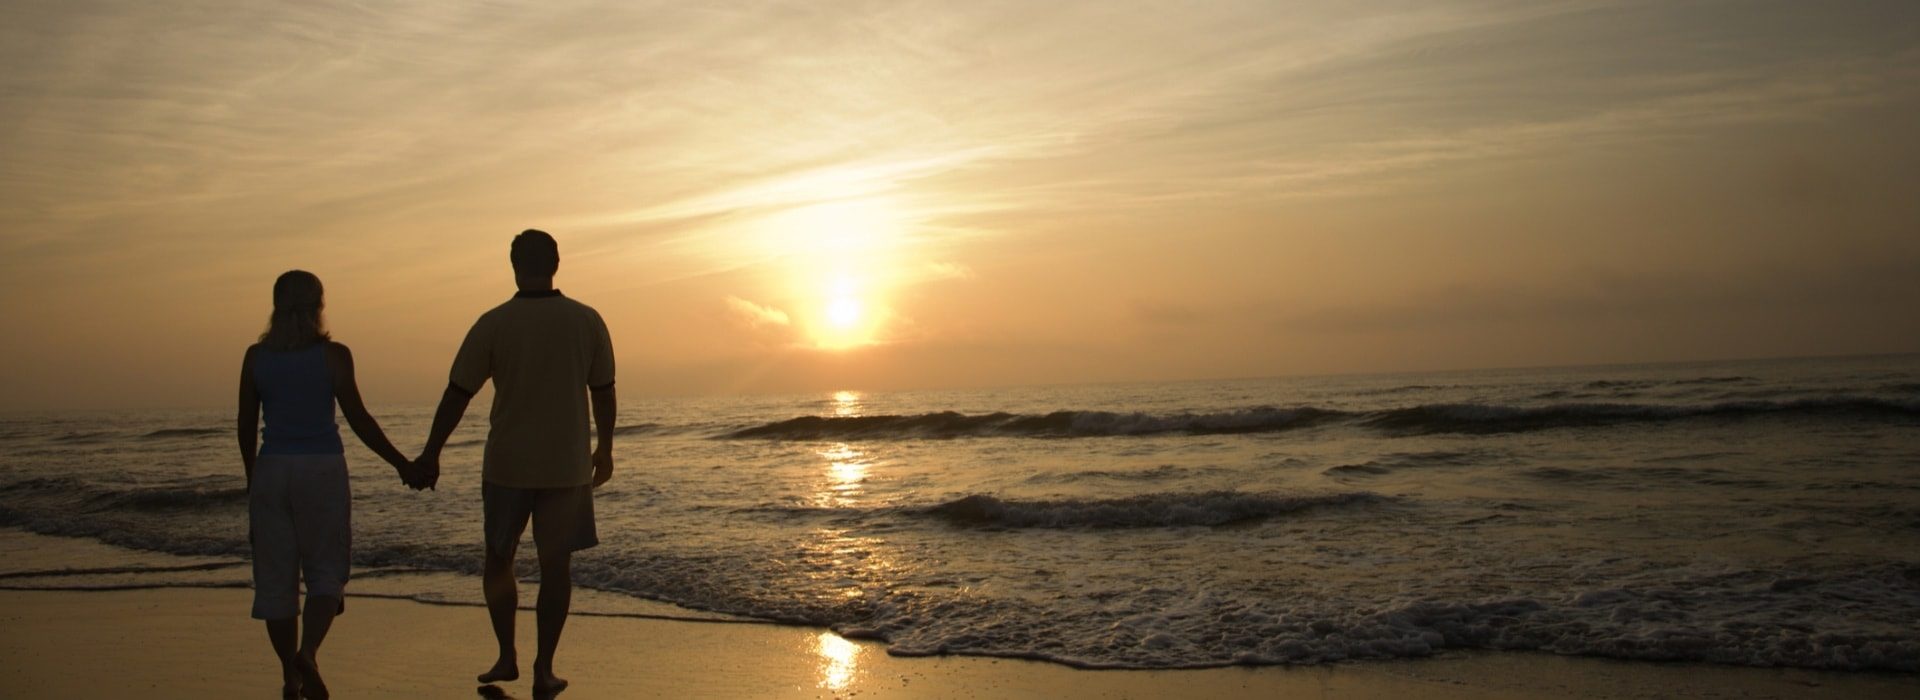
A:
(846, 404)
(839, 659)
(846, 473)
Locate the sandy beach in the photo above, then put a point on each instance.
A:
(194, 643)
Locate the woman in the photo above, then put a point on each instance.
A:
(298, 502)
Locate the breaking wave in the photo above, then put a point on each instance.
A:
(1149, 510)
(173, 499)
(185, 433)
(76, 495)
(1059, 424)
(1484, 418)
(1395, 462)
(1419, 419)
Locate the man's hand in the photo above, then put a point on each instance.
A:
(426, 471)
(602, 466)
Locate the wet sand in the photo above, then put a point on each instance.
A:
(195, 643)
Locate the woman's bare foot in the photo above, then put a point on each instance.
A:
(505, 669)
(545, 684)
(311, 686)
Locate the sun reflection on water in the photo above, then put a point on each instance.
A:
(849, 567)
(839, 659)
(846, 404)
(846, 476)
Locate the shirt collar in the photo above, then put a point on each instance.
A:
(523, 294)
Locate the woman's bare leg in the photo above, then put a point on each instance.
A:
(318, 618)
(281, 633)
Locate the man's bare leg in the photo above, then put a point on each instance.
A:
(556, 598)
(281, 633)
(503, 602)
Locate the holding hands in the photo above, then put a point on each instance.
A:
(422, 473)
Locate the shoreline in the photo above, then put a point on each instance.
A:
(192, 642)
(80, 635)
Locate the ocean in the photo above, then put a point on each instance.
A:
(1756, 513)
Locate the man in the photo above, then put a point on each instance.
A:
(546, 355)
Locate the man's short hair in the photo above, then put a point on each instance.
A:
(535, 253)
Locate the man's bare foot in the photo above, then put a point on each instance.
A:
(547, 685)
(505, 669)
(311, 686)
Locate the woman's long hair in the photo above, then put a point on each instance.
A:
(296, 322)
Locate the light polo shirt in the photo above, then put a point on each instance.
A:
(543, 352)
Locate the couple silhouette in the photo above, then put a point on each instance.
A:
(550, 359)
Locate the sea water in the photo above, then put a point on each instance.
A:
(1754, 512)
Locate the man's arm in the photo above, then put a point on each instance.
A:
(604, 409)
(453, 405)
(472, 366)
(247, 422)
(600, 388)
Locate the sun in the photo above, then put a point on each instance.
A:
(845, 318)
(843, 313)
(841, 259)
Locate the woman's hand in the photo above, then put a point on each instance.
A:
(425, 472)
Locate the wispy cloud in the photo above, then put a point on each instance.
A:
(757, 315)
(676, 114)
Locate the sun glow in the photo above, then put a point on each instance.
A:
(842, 257)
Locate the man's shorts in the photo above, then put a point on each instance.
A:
(300, 524)
(562, 518)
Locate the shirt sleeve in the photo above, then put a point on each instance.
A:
(600, 372)
(474, 363)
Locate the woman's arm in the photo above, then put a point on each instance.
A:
(340, 365)
(247, 423)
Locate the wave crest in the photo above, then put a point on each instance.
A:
(1493, 418)
(155, 499)
(184, 433)
(1471, 418)
(1149, 510)
(1059, 424)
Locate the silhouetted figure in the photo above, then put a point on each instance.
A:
(298, 503)
(546, 354)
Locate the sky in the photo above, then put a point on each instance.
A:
(812, 196)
